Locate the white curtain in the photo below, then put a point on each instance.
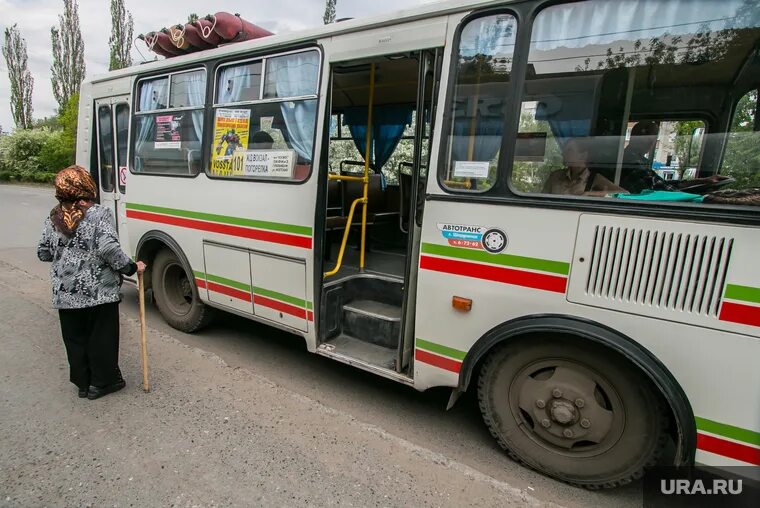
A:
(293, 76)
(233, 81)
(196, 91)
(153, 95)
(599, 22)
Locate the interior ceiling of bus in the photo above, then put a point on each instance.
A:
(395, 82)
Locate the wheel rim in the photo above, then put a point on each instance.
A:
(178, 289)
(494, 241)
(567, 408)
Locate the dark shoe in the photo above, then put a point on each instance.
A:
(96, 392)
(82, 393)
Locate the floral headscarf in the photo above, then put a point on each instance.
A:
(75, 191)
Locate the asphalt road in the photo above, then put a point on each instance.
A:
(239, 414)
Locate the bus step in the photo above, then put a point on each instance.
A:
(358, 352)
(371, 321)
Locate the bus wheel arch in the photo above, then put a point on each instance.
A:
(161, 253)
(678, 408)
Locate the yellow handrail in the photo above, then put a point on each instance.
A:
(345, 238)
(365, 184)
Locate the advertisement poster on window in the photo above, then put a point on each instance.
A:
(231, 128)
(168, 131)
(264, 163)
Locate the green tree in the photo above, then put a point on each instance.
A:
(687, 151)
(21, 81)
(741, 159)
(329, 16)
(529, 176)
(68, 68)
(122, 30)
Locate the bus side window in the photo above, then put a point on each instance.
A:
(267, 134)
(483, 68)
(626, 104)
(169, 124)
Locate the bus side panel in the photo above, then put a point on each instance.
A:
(715, 366)
(199, 210)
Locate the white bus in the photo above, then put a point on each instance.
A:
(445, 197)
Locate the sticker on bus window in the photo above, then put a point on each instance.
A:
(264, 163)
(471, 169)
(490, 239)
(123, 176)
(168, 132)
(231, 128)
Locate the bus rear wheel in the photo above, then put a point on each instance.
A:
(176, 295)
(576, 412)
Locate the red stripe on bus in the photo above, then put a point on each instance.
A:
(438, 361)
(730, 449)
(200, 283)
(739, 313)
(495, 273)
(226, 290)
(225, 229)
(281, 307)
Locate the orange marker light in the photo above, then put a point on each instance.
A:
(461, 304)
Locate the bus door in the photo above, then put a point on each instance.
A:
(413, 200)
(113, 139)
(381, 110)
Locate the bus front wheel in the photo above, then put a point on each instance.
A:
(576, 412)
(176, 295)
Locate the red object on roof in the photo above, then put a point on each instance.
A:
(205, 33)
(193, 36)
(232, 27)
(206, 30)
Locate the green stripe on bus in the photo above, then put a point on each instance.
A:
(298, 302)
(543, 265)
(221, 280)
(744, 293)
(441, 350)
(224, 219)
(722, 429)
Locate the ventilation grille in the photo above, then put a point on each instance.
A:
(666, 270)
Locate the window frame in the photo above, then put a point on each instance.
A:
(214, 105)
(116, 106)
(134, 114)
(111, 123)
(451, 82)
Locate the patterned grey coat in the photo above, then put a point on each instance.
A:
(87, 267)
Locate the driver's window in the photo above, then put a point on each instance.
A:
(630, 106)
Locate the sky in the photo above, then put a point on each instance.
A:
(35, 17)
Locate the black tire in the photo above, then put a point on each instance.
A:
(176, 294)
(573, 411)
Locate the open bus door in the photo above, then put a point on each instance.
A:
(372, 236)
(112, 122)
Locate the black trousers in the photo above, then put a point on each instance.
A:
(91, 336)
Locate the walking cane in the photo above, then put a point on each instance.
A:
(143, 338)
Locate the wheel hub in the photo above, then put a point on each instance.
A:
(563, 407)
(563, 412)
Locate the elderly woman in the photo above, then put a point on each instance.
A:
(87, 267)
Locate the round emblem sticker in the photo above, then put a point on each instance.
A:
(494, 240)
